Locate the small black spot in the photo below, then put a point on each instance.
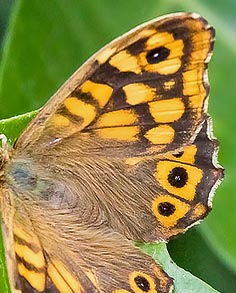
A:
(157, 55)
(178, 177)
(179, 154)
(142, 283)
(166, 208)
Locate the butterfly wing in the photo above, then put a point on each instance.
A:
(56, 252)
(109, 155)
(116, 130)
(145, 92)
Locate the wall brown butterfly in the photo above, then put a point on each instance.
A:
(123, 151)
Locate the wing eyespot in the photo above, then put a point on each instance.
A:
(178, 177)
(169, 210)
(157, 55)
(142, 283)
(166, 209)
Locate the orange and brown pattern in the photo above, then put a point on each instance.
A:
(123, 151)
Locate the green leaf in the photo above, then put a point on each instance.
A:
(192, 252)
(47, 40)
(13, 127)
(184, 282)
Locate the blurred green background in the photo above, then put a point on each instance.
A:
(44, 42)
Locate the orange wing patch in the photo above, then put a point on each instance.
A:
(64, 281)
(168, 210)
(178, 179)
(30, 259)
(163, 134)
(99, 92)
(138, 93)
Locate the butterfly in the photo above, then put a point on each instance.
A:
(122, 152)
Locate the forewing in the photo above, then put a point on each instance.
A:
(143, 93)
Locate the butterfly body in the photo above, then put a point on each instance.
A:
(122, 152)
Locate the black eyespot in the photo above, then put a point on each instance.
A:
(142, 283)
(179, 154)
(166, 208)
(178, 177)
(157, 55)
